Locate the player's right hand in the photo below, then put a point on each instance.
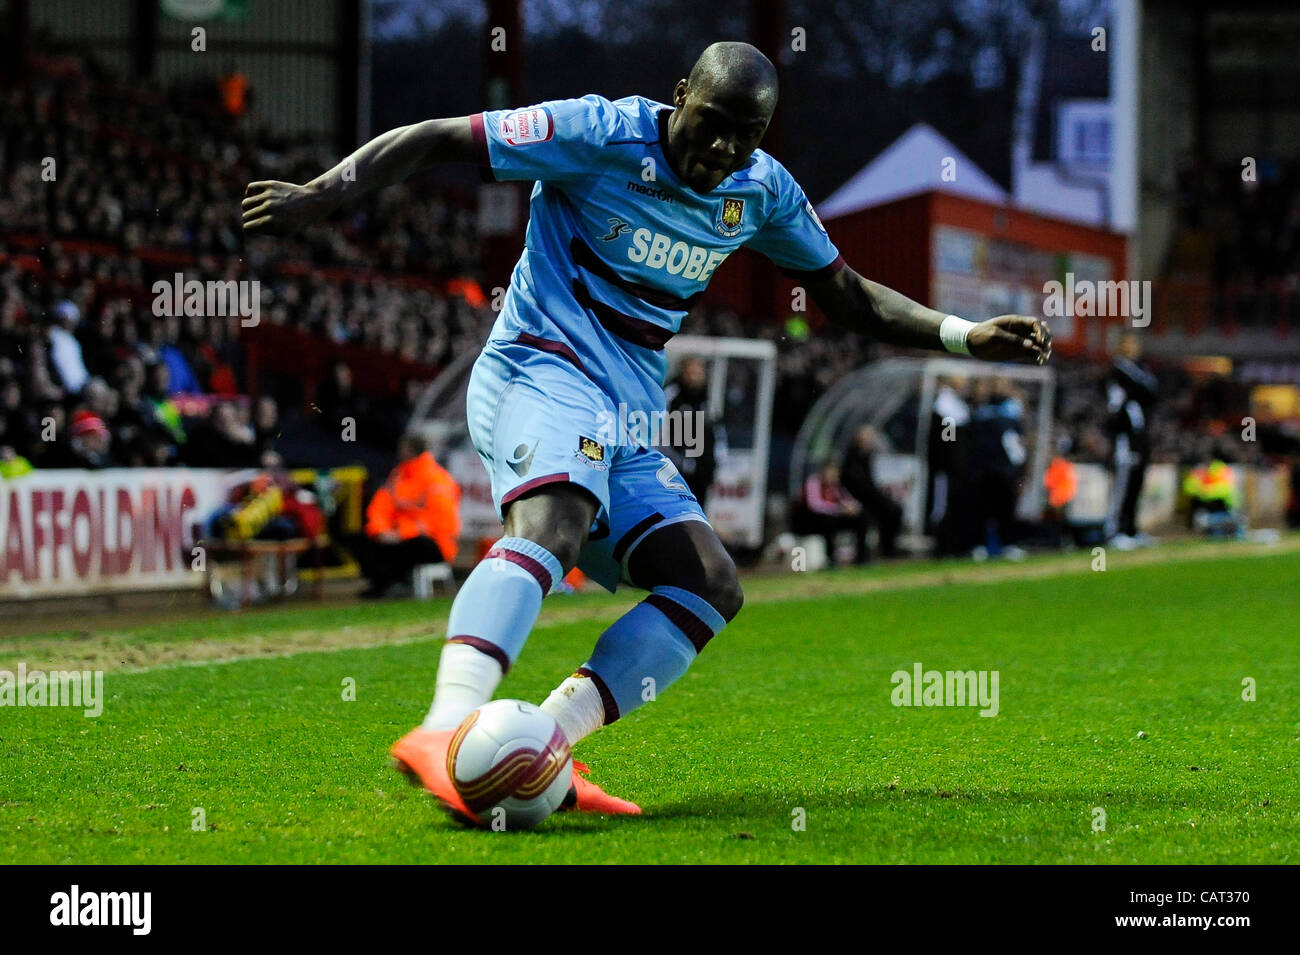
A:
(281, 208)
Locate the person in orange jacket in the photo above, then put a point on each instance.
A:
(413, 519)
(1062, 483)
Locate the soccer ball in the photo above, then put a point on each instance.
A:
(511, 764)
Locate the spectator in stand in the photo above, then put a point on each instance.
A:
(232, 86)
(223, 441)
(859, 480)
(65, 350)
(160, 407)
(97, 397)
(215, 358)
(413, 519)
(51, 444)
(266, 431)
(832, 509)
(150, 450)
(11, 410)
(164, 336)
(336, 399)
(41, 384)
(1130, 398)
(96, 340)
(12, 314)
(91, 442)
(133, 417)
(12, 464)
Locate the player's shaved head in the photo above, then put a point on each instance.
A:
(735, 71)
(722, 110)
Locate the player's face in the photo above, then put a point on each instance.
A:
(715, 135)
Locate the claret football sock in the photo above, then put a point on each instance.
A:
(490, 620)
(637, 658)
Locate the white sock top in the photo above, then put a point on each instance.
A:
(467, 678)
(576, 705)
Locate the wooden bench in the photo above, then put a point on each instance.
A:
(273, 564)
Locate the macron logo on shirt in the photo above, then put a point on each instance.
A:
(527, 126)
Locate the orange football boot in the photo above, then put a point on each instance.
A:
(586, 796)
(421, 755)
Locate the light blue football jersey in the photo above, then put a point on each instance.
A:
(618, 248)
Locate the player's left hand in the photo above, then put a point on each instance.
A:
(1019, 338)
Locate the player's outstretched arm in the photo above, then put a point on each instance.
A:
(863, 306)
(282, 208)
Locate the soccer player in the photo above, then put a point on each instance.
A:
(636, 204)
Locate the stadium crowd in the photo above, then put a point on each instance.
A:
(107, 187)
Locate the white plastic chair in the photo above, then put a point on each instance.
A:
(425, 576)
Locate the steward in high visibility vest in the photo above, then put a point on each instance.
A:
(419, 499)
(1213, 486)
(1215, 496)
(413, 519)
(1061, 481)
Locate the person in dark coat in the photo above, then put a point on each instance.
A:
(688, 395)
(1130, 398)
(950, 517)
(857, 476)
(998, 460)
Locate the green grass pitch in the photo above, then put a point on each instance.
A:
(1119, 690)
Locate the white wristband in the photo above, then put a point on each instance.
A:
(953, 332)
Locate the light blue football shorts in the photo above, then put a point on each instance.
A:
(535, 419)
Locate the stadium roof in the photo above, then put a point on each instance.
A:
(911, 164)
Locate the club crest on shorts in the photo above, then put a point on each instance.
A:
(592, 451)
(730, 217)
